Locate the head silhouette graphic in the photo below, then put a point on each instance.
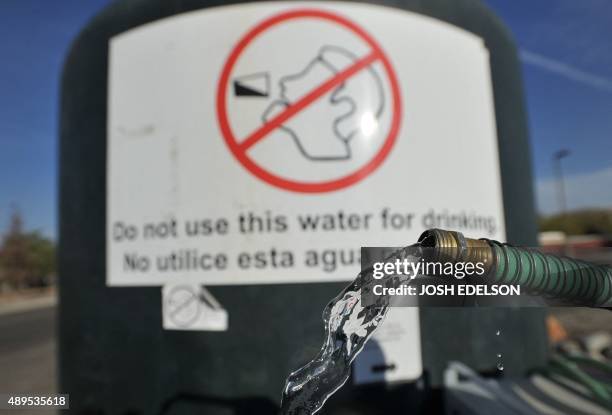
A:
(325, 130)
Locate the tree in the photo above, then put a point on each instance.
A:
(27, 259)
(579, 222)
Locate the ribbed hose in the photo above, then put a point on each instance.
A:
(570, 280)
(552, 276)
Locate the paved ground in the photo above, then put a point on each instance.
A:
(27, 353)
(22, 304)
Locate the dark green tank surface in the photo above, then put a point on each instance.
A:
(114, 356)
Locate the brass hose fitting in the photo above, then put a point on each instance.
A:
(450, 246)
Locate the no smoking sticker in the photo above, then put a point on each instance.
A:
(329, 106)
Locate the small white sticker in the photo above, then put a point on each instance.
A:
(191, 307)
(394, 351)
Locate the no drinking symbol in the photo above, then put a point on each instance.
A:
(308, 101)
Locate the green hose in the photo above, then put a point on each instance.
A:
(599, 390)
(569, 280)
(552, 276)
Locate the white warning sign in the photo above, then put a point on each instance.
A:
(272, 149)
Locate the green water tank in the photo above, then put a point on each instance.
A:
(446, 112)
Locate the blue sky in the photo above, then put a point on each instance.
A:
(566, 50)
(35, 36)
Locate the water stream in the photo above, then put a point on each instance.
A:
(348, 326)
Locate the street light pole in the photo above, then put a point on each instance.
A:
(562, 197)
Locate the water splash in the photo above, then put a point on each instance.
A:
(348, 326)
(500, 364)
